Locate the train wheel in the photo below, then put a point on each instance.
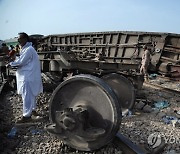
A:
(84, 112)
(123, 89)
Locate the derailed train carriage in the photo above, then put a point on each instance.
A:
(122, 47)
(86, 109)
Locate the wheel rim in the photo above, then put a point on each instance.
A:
(123, 89)
(99, 100)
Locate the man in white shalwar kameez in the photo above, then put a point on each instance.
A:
(28, 75)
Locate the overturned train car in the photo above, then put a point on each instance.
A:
(86, 109)
(100, 74)
(121, 47)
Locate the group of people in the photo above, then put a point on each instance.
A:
(28, 76)
(7, 54)
(10, 52)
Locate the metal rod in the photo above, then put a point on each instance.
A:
(127, 145)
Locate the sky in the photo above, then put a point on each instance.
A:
(48, 17)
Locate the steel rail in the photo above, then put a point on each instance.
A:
(127, 146)
(156, 86)
(2, 86)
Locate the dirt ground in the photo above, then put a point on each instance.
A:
(151, 130)
(162, 123)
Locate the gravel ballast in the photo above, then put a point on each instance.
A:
(137, 126)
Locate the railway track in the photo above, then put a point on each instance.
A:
(121, 142)
(127, 146)
(2, 85)
(156, 86)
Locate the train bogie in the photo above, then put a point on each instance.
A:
(85, 112)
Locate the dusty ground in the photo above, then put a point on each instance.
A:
(138, 127)
(141, 125)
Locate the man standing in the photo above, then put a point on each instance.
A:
(4, 52)
(28, 75)
(17, 49)
(145, 62)
(12, 53)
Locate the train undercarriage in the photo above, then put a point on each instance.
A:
(98, 77)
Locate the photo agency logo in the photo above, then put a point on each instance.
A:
(155, 139)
